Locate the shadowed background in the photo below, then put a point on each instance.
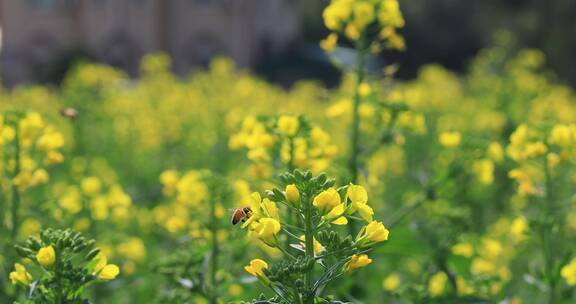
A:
(41, 39)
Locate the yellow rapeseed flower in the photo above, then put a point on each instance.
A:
(327, 200)
(364, 89)
(357, 194)
(329, 43)
(568, 272)
(374, 232)
(288, 125)
(266, 229)
(463, 249)
(437, 284)
(109, 272)
(46, 256)
(358, 261)
(20, 275)
(562, 136)
(256, 267)
(363, 13)
(391, 282)
(359, 198)
(450, 139)
(335, 215)
(103, 270)
(91, 185)
(270, 209)
(495, 152)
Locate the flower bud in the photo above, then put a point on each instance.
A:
(292, 194)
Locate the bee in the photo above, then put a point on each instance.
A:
(69, 113)
(241, 214)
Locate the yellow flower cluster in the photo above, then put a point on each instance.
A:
(187, 192)
(38, 144)
(527, 145)
(490, 256)
(298, 147)
(354, 18)
(105, 198)
(334, 210)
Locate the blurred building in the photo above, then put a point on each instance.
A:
(39, 35)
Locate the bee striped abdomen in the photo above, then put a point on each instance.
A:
(241, 215)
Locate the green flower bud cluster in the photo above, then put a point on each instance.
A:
(63, 263)
(311, 238)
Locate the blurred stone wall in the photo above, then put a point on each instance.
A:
(41, 36)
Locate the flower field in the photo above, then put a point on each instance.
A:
(224, 188)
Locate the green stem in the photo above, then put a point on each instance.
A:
(215, 252)
(15, 190)
(57, 272)
(355, 138)
(547, 235)
(292, 216)
(309, 235)
(291, 166)
(443, 265)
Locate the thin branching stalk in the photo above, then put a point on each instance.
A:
(547, 235)
(353, 162)
(58, 273)
(215, 252)
(309, 235)
(15, 190)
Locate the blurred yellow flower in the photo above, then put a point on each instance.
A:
(495, 152)
(329, 43)
(484, 170)
(363, 14)
(463, 249)
(133, 248)
(437, 284)
(449, 139)
(91, 185)
(288, 125)
(20, 275)
(109, 272)
(568, 272)
(563, 135)
(392, 282)
(364, 89)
